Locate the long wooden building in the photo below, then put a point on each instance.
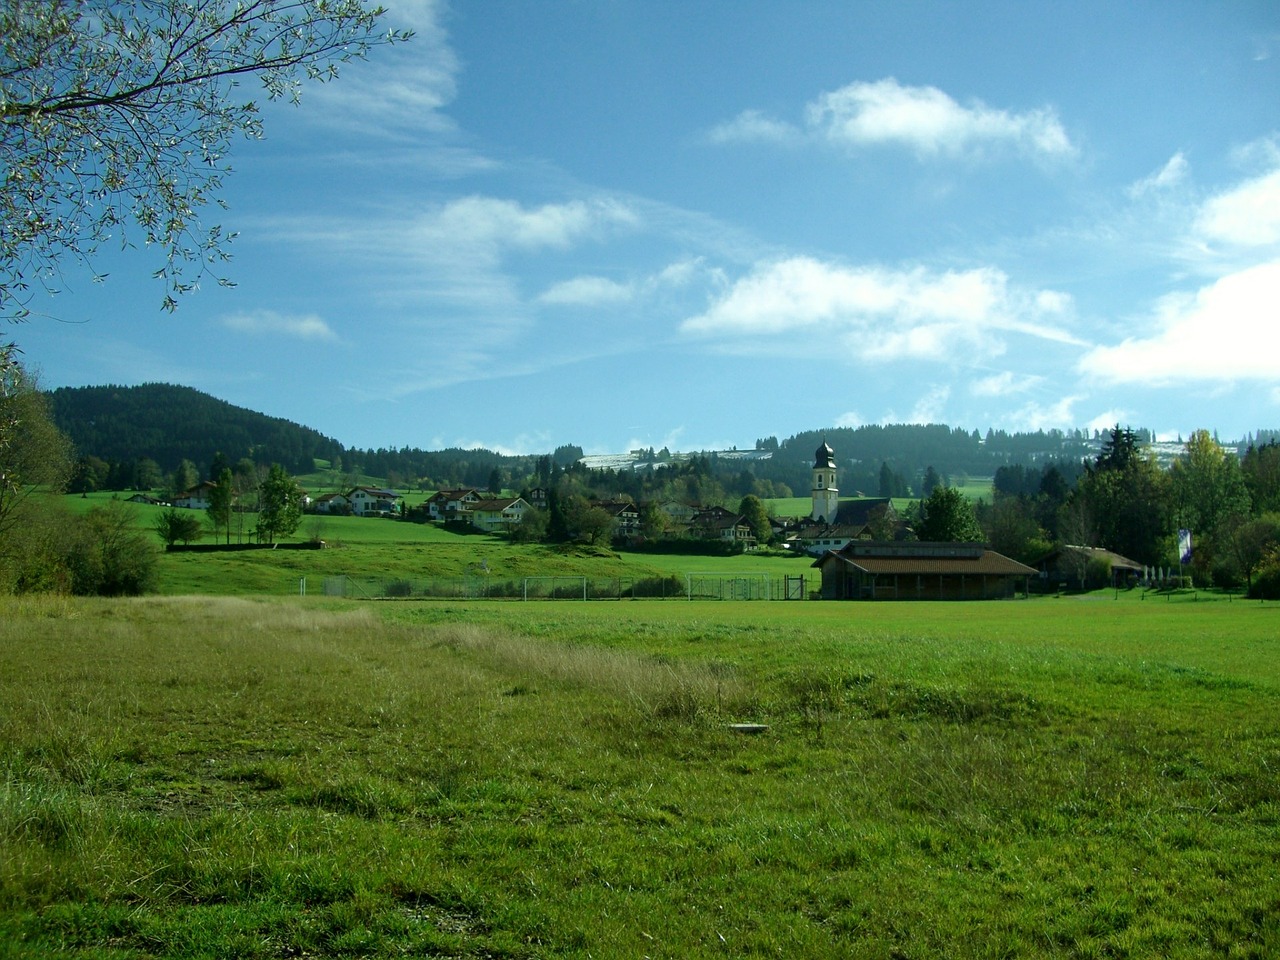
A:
(917, 570)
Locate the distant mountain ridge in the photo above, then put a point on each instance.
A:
(169, 424)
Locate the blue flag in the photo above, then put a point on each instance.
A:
(1184, 546)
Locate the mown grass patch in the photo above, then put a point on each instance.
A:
(211, 777)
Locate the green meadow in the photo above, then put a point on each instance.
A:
(213, 776)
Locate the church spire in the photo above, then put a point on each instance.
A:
(826, 495)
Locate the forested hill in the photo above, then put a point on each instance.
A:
(169, 424)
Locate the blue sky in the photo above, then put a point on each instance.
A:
(623, 224)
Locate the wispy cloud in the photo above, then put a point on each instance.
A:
(930, 407)
(401, 91)
(270, 323)
(754, 126)
(877, 313)
(1004, 384)
(487, 227)
(1059, 415)
(1173, 173)
(594, 291)
(588, 292)
(923, 119)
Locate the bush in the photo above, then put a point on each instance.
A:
(107, 557)
(1225, 576)
(672, 586)
(1266, 583)
(100, 554)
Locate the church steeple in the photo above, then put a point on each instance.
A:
(826, 495)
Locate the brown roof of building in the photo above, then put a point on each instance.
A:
(924, 559)
(989, 564)
(494, 503)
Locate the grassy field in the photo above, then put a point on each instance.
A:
(215, 777)
(361, 547)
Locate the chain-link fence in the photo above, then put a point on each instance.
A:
(692, 586)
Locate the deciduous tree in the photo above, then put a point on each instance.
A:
(757, 517)
(279, 505)
(1207, 484)
(116, 119)
(34, 454)
(221, 500)
(947, 516)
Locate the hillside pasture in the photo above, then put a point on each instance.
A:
(203, 777)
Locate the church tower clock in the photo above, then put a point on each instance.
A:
(826, 495)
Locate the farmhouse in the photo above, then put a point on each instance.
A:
(916, 570)
(197, 498)
(1085, 567)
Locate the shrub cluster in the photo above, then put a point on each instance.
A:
(98, 554)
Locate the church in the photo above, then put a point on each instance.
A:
(833, 523)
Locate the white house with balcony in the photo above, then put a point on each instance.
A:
(498, 514)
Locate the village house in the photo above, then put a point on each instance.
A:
(717, 523)
(498, 514)
(626, 516)
(373, 502)
(680, 514)
(331, 503)
(451, 504)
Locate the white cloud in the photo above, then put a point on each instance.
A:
(1173, 173)
(485, 226)
(1059, 415)
(851, 420)
(930, 122)
(588, 292)
(879, 313)
(591, 291)
(1247, 215)
(268, 323)
(752, 126)
(1108, 419)
(1224, 332)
